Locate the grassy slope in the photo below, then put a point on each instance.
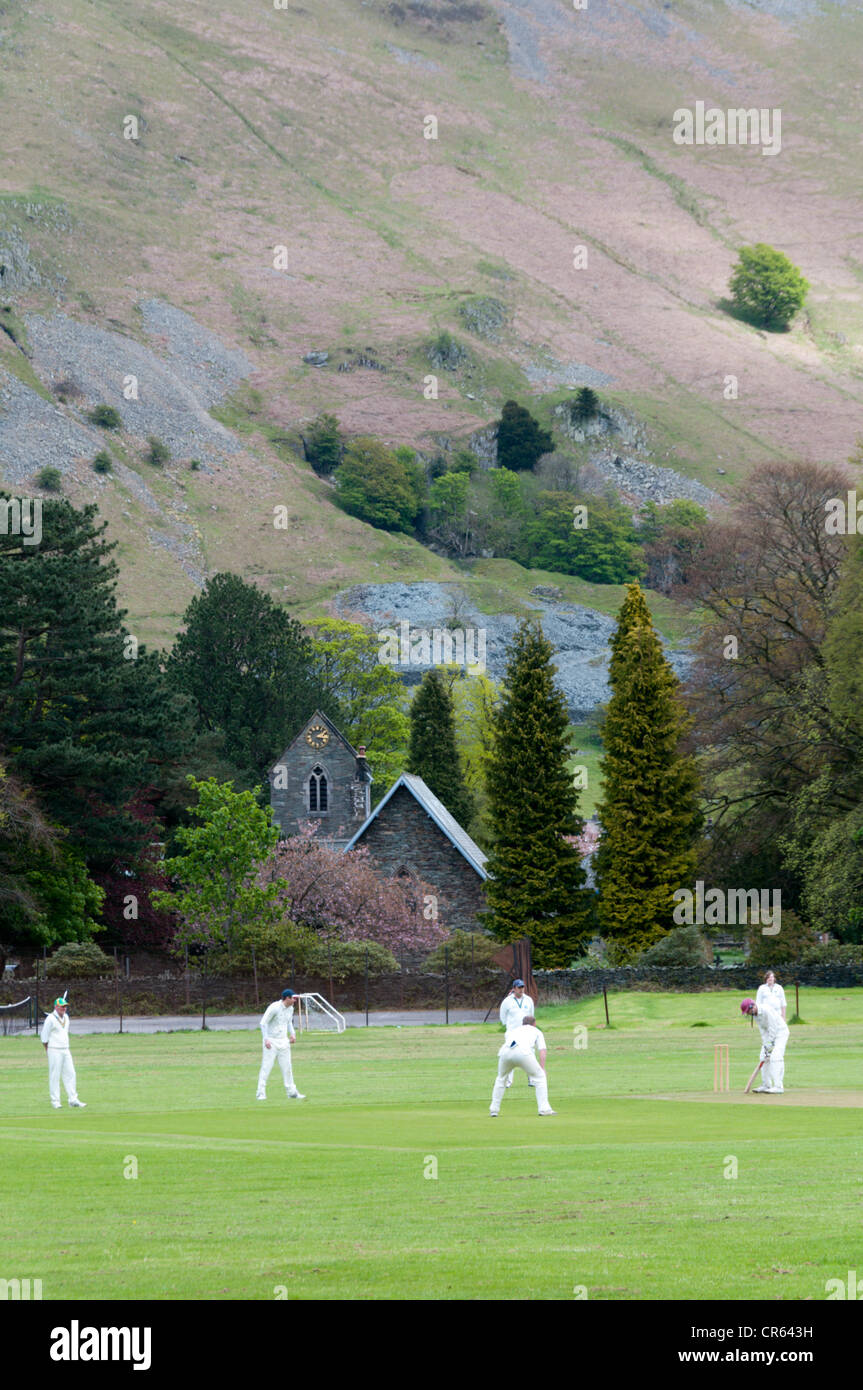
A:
(621, 1193)
(305, 127)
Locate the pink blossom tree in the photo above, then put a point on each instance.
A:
(342, 895)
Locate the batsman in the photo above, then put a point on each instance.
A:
(774, 1037)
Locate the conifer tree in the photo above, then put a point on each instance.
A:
(537, 888)
(86, 719)
(432, 754)
(649, 812)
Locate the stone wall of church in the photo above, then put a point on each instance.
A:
(403, 834)
(290, 802)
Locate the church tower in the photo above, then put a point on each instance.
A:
(321, 778)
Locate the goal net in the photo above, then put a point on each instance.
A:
(315, 1015)
(17, 1018)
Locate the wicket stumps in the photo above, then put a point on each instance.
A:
(721, 1073)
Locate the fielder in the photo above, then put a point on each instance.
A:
(276, 1024)
(519, 1050)
(514, 1010)
(774, 1037)
(772, 994)
(55, 1040)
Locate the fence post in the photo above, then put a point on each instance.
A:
(117, 988)
(367, 986)
(446, 981)
(605, 1001)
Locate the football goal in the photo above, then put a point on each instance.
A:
(17, 1018)
(315, 1015)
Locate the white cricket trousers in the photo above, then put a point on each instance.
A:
(506, 1064)
(773, 1071)
(61, 1068)
(267, 1063)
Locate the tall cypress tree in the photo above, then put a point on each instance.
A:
(649, 812)
(537, 884)
(432, 754)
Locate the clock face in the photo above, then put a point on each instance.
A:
(317, 736)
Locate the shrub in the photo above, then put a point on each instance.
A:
(682, 946)
(376, 486)
(832, 953)
(67, 389)
(788, 945)
(323, 445)
(447, 352)
(51, 479)
(346, 958)
(79, 960)
(766, 288)
(103, 463)
(158, 453)
(465, 948)
(105, 416)
(194, 464)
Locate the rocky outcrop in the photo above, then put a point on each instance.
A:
(580, 636)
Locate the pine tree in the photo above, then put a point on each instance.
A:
(649, 812)
(432, 754)
(86, 718)
(537, 884)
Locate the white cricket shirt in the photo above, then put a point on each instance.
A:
(525, 1038)
(277, 1023)
(514, 1011)
(55, 1031)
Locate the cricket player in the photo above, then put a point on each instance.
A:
(772, 994)
(519, 1049)
(276, 1026)
(55, 1040)
(774, 1037)
(513, 1011)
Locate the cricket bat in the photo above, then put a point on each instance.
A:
(752, 1077)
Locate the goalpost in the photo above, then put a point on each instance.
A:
(17, 1018)
(314, 1014)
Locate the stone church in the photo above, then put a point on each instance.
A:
(410, 834)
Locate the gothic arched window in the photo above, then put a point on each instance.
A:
(318, 790)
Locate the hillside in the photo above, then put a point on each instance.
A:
(260, 128)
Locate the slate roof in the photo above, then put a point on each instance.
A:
(439, 814)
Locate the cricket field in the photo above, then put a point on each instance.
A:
(390, 1181)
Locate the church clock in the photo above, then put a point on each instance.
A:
(317, 736)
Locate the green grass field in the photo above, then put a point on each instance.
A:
(623, 1194)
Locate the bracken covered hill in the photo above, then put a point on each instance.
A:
(305, 129)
